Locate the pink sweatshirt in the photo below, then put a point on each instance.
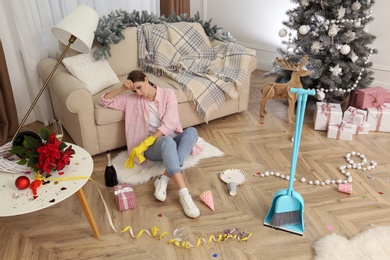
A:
(136, 110)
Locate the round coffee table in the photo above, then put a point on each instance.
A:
(17, 202)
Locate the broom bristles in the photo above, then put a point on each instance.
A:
(286, 218)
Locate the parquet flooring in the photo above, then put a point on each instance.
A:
(250, 143)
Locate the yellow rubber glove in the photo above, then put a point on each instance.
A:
(139, 152)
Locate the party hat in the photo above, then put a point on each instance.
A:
(207, 198)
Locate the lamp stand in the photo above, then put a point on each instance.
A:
(72, 39)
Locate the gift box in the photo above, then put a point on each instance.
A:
(124, 197)
(370, 97)
(379, 118)
(341, 131)
(387, 97)
(355, 116)
(362, 129)
(325, 114)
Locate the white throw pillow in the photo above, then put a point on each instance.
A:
(97, 75)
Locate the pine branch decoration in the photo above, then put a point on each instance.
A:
(109, 29)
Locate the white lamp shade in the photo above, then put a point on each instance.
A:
(81, 23)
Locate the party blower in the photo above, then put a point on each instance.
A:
(287, 207)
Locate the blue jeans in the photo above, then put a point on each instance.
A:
(173, 151)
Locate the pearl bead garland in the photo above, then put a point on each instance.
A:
(364, 165)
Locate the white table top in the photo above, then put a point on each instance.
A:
(17, 202)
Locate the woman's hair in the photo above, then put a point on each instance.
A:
(137, 75)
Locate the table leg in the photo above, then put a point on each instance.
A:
(87, 211)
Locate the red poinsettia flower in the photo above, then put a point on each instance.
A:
(65, 158)
(43, 157)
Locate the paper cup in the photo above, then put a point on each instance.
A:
(345, 188)
(232, 187)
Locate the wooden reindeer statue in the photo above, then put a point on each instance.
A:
(281, 91)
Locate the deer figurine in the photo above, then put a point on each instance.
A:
(281, 91)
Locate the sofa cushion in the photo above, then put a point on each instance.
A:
(96, 75)
(124, 56)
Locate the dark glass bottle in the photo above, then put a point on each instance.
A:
(110, 173)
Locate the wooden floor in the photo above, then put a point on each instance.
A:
(250, 143)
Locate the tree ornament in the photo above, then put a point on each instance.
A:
(345, 49)
(357, 24)
(356, 6)
(22, 182)
(333, 30)
(341, 13)
(303, 29)
(336, 70)
(316, 47)
(282, 33)
(305, 3)
(353, 56)
(320, 95)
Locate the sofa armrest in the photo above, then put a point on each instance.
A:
(67, 89)
(73, 104)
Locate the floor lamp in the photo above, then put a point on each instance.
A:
(76, 31)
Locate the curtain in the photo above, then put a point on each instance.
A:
(34, 20)
(177, 6)
(8, 115)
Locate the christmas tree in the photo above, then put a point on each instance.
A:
(332, 33)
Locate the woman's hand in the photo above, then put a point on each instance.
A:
(127, 85)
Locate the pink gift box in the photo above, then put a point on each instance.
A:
(345, 188)
(387, 96)
(325, 114)
(379, 118)
(124, 197)
(341, 131)
(370, 97)
(355, 116)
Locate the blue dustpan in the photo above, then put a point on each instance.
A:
(286, 212)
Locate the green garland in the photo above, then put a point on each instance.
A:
(109, 29)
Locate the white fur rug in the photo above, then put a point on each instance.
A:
(370, 244)
(150, 169)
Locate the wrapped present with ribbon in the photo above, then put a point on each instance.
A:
(355, 116)
(124, 197)
(343, 131)
(325, 114)
(370, 97)
(362, 129)
(387, 96)
(379, 118)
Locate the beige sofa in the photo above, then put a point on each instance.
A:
(98, 129)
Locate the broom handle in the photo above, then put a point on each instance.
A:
(300, 115)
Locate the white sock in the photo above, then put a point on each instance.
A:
(164, 178)
(183, 192)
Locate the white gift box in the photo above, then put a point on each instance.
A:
(325, 114)
(355, 116)
(379, 118)
(341, 131)
(362, 129)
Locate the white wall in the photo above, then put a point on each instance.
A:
(254, 24)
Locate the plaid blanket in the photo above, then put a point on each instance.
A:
(209, 76)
